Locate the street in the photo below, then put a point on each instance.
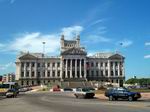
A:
(66, 102)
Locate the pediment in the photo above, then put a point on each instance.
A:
(116, 56)
(74, 51)
(28, 56)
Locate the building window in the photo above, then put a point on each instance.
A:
(58, 73)
(22, 74)
(39, 74)
(32, 74)
(97, 73)
(106, 64)
(27, 83)
(33, 64)
(101, 73)
(58, 64)
(22, 83)
(27, 74)
(96, 64)
(106, 73)
(48, 64)
(112, 73)
(22, 64)
(27, 64)
(116, 64)
(116, 73)
(92, 73)
(53, 74)
(38, 64)
(32, 82)
(120, 73)
(92, 64)
(116, 80)
(48, 74)
(53, 64)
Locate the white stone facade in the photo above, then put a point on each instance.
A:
(73, 64)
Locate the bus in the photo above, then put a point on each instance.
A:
(4, 87)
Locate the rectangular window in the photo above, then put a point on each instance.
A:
(38, 64)
(43, 74)
(39, 75)
(106, 73)
(27, 75)
(92, 64)
(58, 64)
(116, 73)
(96, 64)
(33, 64)
(58, 73)
(101, 64)
(112, 73)
(48, 74)
(101, 73)
(106, 64)
(22, 74)
(32, 74)
(53, 74)
(97, 73)
(92, 73)
(48, 64)
(27, 64)
(53, 64)
(22, 64)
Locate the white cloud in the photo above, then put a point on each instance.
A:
(32, 42)
(147, 56)
(72, 31)
(147, 44)
(6, 66)
(125, 43)
(96, 39)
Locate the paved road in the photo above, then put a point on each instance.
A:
(65, 102)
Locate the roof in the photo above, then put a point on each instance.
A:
(106, 55)
(74, 51)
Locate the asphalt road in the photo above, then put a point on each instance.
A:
(66, 102)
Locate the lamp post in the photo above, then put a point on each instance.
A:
(43, 70)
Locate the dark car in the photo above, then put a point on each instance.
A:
(68, 89)
(84, 93)
(121, 93)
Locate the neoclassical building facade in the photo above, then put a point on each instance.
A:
(73, 64)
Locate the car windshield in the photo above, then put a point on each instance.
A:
(85, 89)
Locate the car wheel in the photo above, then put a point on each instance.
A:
(130, 98)
(111, 98)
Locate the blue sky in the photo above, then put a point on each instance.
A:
(102, 24)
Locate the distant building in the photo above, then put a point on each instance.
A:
(10, 77)
(73, 64)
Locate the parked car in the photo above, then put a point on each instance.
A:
(11, 93)
(91, 88)
(56, 88)
(84, 93)
(68, 89)
(123, 93)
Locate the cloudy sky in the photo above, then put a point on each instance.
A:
(102, 25)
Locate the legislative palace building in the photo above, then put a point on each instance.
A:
(72, 64)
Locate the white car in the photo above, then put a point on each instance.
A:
(84, 93)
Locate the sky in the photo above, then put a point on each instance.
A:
(102, 25)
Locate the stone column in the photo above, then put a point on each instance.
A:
(75, 68)
(104, 69)
(30, 69)
(80, 68)
(118, 68)
(114, 69)
(84, 68)
(35, 70)
(109, 68)
(25, 69)
(70, 68)
(66, 75)
(46, 66)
